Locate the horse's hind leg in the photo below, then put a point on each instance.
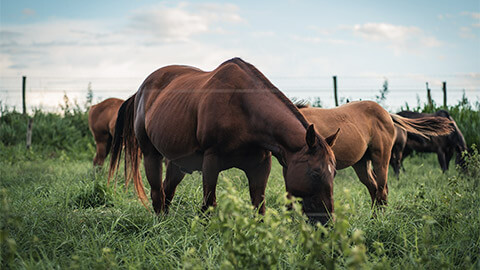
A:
(172, 178)
(153, 170)
(152, 161)
(102, 145)
(364, 173)
(380, 160)
(395, 161)
(257, 182)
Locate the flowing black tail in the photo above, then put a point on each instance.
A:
(125, 138)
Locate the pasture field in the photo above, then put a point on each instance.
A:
(56, 213)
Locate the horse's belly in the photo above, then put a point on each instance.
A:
(191, 163)
(173, 136)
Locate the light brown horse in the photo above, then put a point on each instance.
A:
(101, 120)
(230, 117)
(366, 137)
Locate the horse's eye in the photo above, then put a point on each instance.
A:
(315, 175)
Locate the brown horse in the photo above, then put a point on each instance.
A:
(443, 146)
(366, 137)
(230, 117)
(101, 120)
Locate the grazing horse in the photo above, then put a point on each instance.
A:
(366, 137)
(230, 117)
(444, 145)
(397, 149)
(101, 120)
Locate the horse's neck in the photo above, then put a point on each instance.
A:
(278, 128)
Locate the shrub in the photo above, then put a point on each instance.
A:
(64, 135)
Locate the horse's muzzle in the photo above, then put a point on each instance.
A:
(323, 218)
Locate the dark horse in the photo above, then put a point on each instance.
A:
(397, 149)
(230, 117)
(444, 146)
(366, 138)
(101, 121)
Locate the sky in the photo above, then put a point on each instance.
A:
(64, 46)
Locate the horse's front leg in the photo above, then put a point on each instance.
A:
(442, 160)
(210, 171)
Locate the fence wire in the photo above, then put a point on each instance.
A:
(47, 93)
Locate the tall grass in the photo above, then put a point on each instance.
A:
(58, 214)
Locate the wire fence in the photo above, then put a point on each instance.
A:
(47, 93)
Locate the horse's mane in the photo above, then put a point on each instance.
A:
(254, 71)
(443, 113)
(301, 104)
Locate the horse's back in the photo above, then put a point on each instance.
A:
(355, 118)
(185, 109)
(362, 124)
(102, 116)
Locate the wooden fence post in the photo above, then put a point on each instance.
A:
(335, 90)
(444, 88)
(24, 81)
(429, 96)
(29, 132)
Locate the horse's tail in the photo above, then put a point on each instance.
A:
(424, 126)
(124, 137)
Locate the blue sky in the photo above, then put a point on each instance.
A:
(299, 45)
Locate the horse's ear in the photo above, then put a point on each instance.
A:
(331, 139)
(311, 137)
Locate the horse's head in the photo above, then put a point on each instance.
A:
(456, 138)
(309, 175)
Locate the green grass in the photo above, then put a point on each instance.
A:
(58, 214)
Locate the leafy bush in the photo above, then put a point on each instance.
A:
(53, 134)
(280, 239)
(472, 165)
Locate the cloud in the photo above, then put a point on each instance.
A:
(466, 32)
(398, 37)
(473, 15)
(152, 37)
(444, 16)
(180, 23)
(320, 40)
(263, 34)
